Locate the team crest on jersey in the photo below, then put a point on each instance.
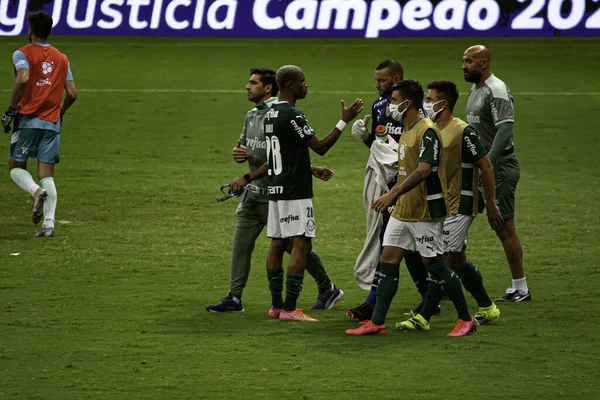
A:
(310, 225)
(402, 151)
(479, 102)
(47, 67)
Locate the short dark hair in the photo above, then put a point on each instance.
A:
(40, 23)
(447, 90)
(267, 77)
(394, 66)
(410, 90)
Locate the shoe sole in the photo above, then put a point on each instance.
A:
(228, 311)
(379, 332)
(335, 300)
(298, 320)
(37, 212)
(350, 314)
(502, 300)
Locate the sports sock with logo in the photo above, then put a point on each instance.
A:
(471, 279)
(388, 286)
(50, 204)
(293, 287)
(275, 277)
(440, 272)
(417, 271)
(24, 179)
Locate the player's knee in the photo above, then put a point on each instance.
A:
(455, 260)
(303, 244)
(391, 255)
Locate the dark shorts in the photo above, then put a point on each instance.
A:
(506, 175)
(37, 143)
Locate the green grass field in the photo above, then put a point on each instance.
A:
(113, 306)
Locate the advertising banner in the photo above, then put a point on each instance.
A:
(309, 18)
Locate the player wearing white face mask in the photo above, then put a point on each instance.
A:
(461, 143)
(418, 217)
(381, 175)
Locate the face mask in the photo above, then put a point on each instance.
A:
(397, 115)
(428, 107)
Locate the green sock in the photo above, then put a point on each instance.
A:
(449, 281)
(275, 277)
(293, 287)
(472, 281)
(435, 292)
(389, 275)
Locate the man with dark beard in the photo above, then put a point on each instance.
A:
(490, 110)
(380, 176)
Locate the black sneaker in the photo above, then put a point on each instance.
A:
(328, 299)
(227, 304)
(417, 310)
(364, 312)
(513, 296)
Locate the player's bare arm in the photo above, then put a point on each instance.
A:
(239, 155)
(322, 173)
(18, 91)
(419, 175)
(71, 96)
(487, 177)
(19, 86)
(322, 146)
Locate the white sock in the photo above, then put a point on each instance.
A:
(24, 179)
(50, 203)
(520, 285)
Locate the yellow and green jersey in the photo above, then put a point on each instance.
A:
(462, 148)
(421, 143)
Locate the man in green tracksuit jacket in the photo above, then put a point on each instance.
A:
(252, 212)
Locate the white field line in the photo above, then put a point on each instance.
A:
(326, 92)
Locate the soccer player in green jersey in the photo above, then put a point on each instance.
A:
(490, 110)
(418, 217)
(251, 213)
(462, 143)
(291, 214)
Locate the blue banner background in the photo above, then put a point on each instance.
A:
(309, 18)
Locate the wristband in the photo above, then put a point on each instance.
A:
(341, 125)
(247, 178)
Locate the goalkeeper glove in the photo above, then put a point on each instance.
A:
(360, 128)
(7, 118)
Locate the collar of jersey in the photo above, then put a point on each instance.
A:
(43, 43)
(267, 103)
